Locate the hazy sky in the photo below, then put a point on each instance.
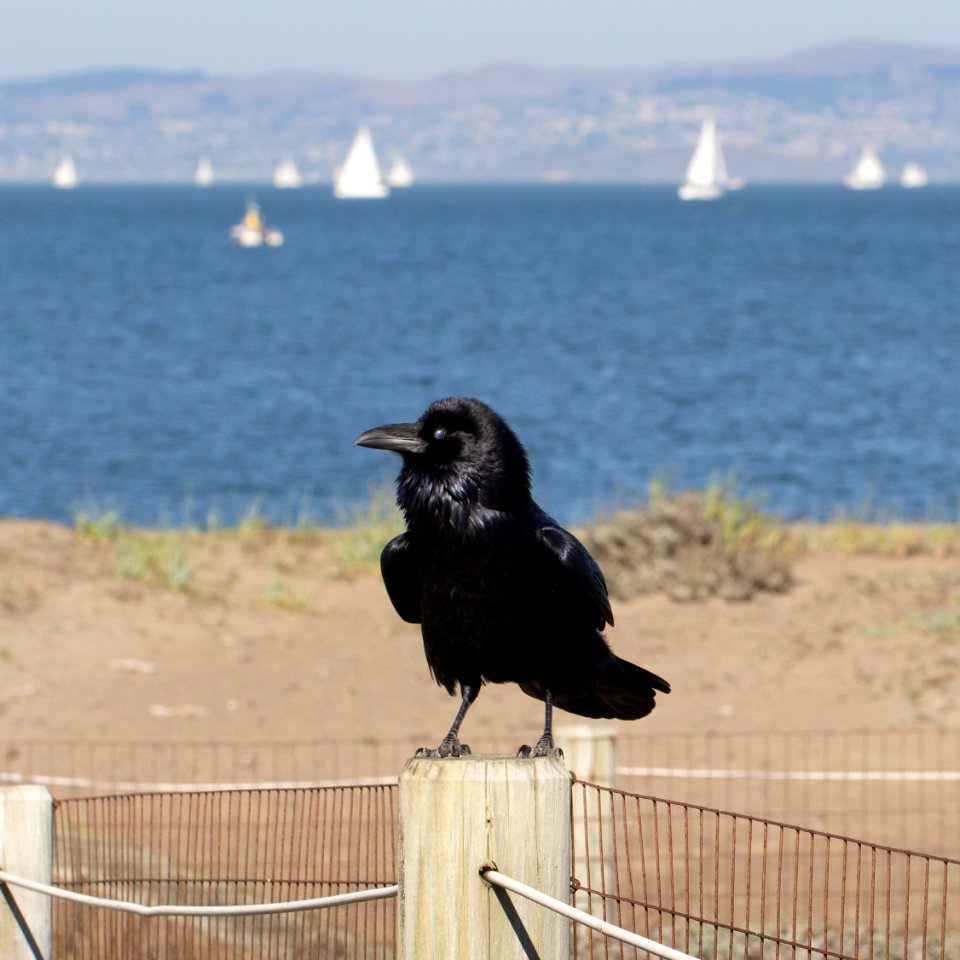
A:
(422, 38)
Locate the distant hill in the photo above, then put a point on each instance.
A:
(800, 117)
(99, 81)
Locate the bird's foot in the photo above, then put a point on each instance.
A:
(544, 747)
(449, 747)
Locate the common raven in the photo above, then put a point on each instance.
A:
(502, 592)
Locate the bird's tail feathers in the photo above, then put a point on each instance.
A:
(624, 691)
(630, 674)
(610, 703)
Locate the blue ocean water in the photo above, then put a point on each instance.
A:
(804, 339)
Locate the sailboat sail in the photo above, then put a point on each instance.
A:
(868, 174)
(286, 176)
(400, 175)
(65, 176)
(203, 175)
(913, 176)
(359, 177)
(707, 171)
(703, 164)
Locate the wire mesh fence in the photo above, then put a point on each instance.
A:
(227, 847)
(901, 788)
(897, 787)
(712, 883)
(719, 884)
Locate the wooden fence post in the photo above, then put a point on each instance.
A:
(591, 752)
(456, 815)
(26, 849)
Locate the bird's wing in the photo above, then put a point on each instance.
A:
(580, 569)
(400, 577)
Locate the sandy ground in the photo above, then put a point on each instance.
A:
(267, 640)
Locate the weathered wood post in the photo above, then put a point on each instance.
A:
(26, 849)
(456, 815)
(591, 753)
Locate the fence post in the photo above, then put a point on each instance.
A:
(591, 752)
(26, 848)
(457, 815)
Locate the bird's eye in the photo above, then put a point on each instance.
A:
(439, 433)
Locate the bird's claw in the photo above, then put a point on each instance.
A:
(544, 747)
(449, 747)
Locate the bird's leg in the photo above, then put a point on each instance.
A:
(450, 746)
(544, 747)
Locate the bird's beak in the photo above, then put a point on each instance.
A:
(401, 437)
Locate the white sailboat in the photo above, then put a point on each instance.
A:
(359, 177)
(203, 175)
(913, 176)
(286, 176)
(399, 175)
(65, 175)
(707, 171)
(868, 174)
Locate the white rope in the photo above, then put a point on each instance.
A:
(706, 773)
(668, 773)
(581, 916)
(190, 910)
(142, 786)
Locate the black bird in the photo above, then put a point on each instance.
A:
(502, 592)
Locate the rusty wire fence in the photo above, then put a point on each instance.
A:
(897, 787)
(712, 883)
(726, 885)
(900, 788)
(225, 848)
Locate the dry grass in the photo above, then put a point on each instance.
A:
(895, 539)
(690, 546)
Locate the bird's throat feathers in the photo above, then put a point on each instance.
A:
(439, 502)
(460, 498)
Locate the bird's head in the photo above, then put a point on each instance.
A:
(460, 451)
